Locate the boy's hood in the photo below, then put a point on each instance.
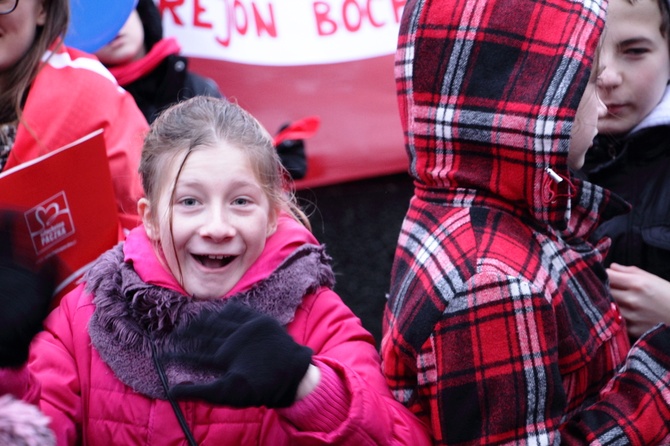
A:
(659, 116)
(487, 92)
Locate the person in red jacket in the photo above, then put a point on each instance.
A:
(500, 327)
(53, 95)
(215, 321)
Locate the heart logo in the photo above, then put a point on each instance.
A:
(45, 216)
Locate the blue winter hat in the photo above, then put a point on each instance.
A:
(95, 23)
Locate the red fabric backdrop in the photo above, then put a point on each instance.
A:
(360, 134)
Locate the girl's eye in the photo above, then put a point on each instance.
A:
(241, 201)
(188, 201)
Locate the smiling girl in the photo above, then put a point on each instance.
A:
(215, 321)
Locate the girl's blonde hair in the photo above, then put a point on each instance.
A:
(203, 122)
(17, 79)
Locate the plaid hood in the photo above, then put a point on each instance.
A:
(510, 75)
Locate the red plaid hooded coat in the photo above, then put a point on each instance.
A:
(500, 328)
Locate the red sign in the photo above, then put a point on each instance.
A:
(68, 203)
(284, 60)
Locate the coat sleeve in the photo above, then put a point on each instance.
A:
(343, 346)
(491, 370)
(54, 362)
(20, 383)
(634, 407)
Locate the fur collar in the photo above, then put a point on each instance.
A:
(131, 314)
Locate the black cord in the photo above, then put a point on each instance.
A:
(175, 407)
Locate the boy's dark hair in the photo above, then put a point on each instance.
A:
(664, 7)
(151, 22)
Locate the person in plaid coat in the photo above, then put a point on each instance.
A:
(500, 328)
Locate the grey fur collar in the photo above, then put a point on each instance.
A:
(130, 315)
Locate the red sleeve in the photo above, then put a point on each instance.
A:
(326, 325)
(20, 383)
(55, 355)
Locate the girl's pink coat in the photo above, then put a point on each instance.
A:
(88, 403)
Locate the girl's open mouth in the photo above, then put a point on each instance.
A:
(211, 261)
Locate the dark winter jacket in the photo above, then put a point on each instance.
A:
(500, 328)
(170, 82)
(637, 167)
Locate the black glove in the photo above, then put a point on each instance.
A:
(26, 290)
(292, 155)
(260, 364)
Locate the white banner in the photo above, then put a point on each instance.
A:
(283, 32)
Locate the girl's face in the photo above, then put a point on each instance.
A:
(17, 31)
(635, 64)
(127, 46)
(221, 218)
(585, 126)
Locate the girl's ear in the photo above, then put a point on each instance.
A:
(272, 223)
(145, 212)
(41, 14)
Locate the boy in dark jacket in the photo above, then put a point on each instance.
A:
(631, 157)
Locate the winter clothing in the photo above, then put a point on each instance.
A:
(635, 166)
(73, 95)
(499, 326)
(161, 77)
(22, 424)
(20, 383)
(259, 363)
(111, 394)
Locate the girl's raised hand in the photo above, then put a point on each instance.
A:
(259, 362)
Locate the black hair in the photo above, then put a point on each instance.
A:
(151, 22)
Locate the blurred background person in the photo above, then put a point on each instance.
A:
(52, 95)
(149, 65)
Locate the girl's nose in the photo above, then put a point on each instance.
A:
(217, 225)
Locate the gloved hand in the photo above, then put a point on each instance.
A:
(26, 289)
(259, 363)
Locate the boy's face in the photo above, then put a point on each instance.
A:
(634, 64)
(127, 46)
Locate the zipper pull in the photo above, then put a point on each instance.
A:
(554, 176)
